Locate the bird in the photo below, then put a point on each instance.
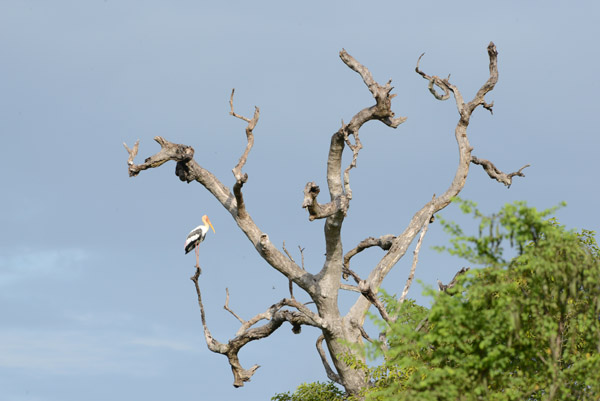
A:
(196, 236)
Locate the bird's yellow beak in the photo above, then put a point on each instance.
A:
(206, 220)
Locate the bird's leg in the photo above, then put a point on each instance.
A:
(198, 255)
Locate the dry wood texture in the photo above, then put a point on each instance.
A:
(323, 286)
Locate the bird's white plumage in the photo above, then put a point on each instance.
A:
(197, 235)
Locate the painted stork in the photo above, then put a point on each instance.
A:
(196, 236)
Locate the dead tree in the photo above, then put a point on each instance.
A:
(323, 287)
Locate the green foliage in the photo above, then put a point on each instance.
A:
(523, 328)
(316, 391)
(515, 224)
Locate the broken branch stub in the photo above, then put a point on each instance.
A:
(315, 209)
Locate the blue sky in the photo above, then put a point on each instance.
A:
(95, 297)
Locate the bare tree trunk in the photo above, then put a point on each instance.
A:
(323, 287)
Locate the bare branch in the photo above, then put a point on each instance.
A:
(364, 333)
(490, 83)
(301, 257)
(311, 318)
(316, 210)
(434, 80)
(348, 287)
(168, 151)
(416, 255)
(495, 173)
(323, 287)
(465, 110)
(452, 283)
(401, 242)
(331, 375)
(226, 307)
(383, 342)
(275, 316)
(213, 345)
(339, 184)
(237, 170)
(346, 271)
(187, 169)
(132, 152)
(424, 322)
(367, 291)
(384, 242)
(382, 110)
(291, 283)
(355, 148)
(287, 253)
(341, 193)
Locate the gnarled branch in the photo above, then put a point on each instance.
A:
(324, 287)
(495, 173)
(168, 151)
(384, 242)
(275, 315)
(401, 242)
(435, 80)
(382, 94)
(315, 209)
(187, 169)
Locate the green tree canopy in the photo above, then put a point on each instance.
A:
(524, 327)
(316, 391)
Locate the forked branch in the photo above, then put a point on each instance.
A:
(168, 151)
(132, 152)
(384, 242)
(420, 218)
(465, 109)
(275, 317)
(383, 109)
(443, 84)
(188, 170)
(340, 192)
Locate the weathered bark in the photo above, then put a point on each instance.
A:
(337, 331)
